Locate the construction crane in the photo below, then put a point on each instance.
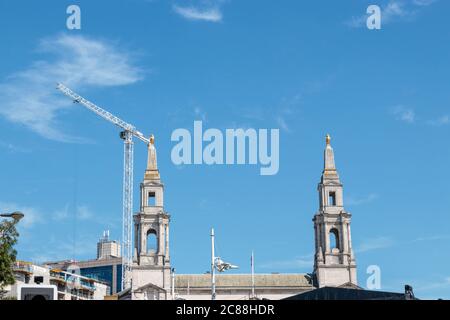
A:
(129, 131)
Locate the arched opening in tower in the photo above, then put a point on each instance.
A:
(334, 239)
(152, 241)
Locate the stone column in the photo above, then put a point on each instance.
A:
(143, 204)
(344, 236)
(316, 234)
(167, 243)
(350, 249)
(320, 237)
(136, 239)
(160, 240)
(327, 238)
(143, 241)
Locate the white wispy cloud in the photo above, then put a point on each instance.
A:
(200, 114)
(206, 14)
(424, 2)
(181, 116)
(374, 244)
(442, 283)
(61, 214)
(392, 11)
(291, 106)
(441, 121)
(83, 212)
(404, 114)
(281, 122)
(355, 201)
(13, 148)
(432, 238)
(408, 115)
(305, 261)
(201, 10)
(383, 242)
(64, 248)
(31, 215)
(29, 97)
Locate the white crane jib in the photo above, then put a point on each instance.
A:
(102, 112)
(127, 135)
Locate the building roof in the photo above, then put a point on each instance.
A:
(329, 293)
(244, 280)
(150, 285)
(85, 264)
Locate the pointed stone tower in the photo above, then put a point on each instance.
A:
(151, 265)
(334, 262)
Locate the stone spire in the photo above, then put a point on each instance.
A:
(334, 262)
(151, 263)
(329, 168)
(152, 172)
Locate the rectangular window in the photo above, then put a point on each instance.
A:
(151, 199)
(332, 199)
(38, 279)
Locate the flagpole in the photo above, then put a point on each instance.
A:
(253, 275)
(213, 268)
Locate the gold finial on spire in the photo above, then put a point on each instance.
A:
(152, 139)
(328, 139)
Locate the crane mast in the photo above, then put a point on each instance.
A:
(127, 252)
(127, 135)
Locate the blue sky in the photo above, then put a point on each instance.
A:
(307, 68)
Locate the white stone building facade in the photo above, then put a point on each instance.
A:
(151, 264)
(69, 286)
(334, 260)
